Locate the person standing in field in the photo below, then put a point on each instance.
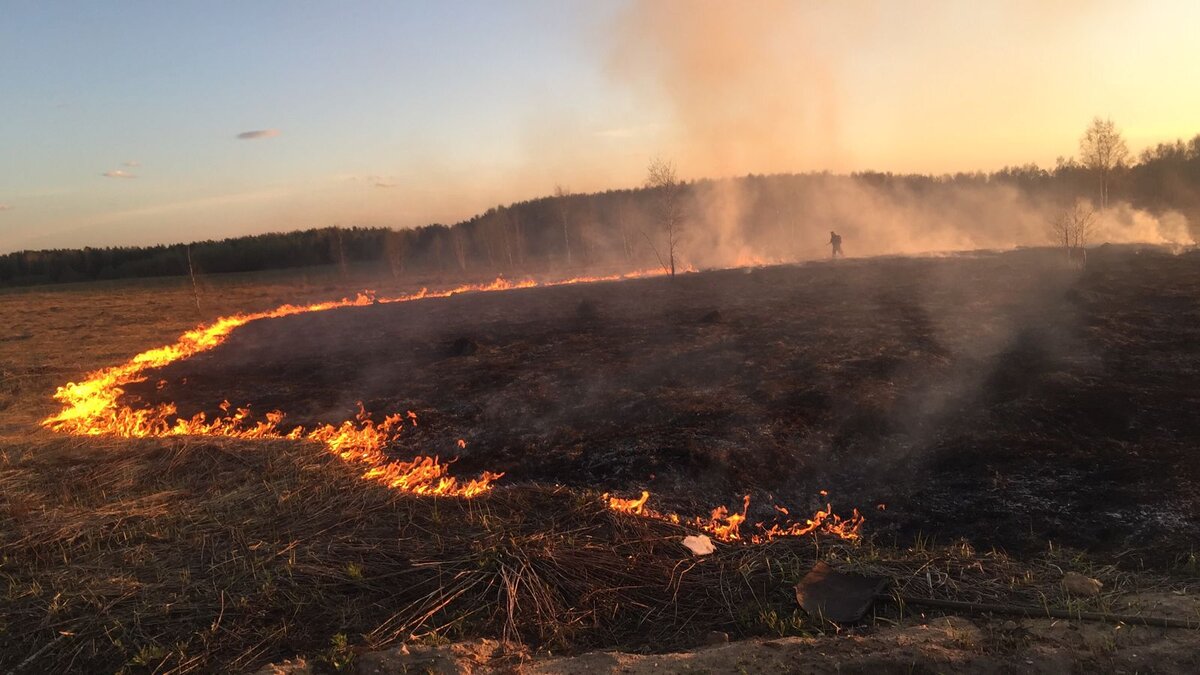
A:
(835, 240)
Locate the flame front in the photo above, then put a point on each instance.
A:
(634, 506)
(727, 526)
(93, 408)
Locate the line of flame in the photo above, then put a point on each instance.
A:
(725, 525)
(92, 406)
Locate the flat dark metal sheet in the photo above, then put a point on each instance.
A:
(840, 597)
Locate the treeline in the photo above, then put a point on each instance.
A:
(783, 214)
(241, 254)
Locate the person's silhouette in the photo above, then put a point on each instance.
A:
(835, 240)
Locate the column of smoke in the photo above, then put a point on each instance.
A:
(748, 95)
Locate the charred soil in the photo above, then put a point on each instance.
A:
(987, 399)
(1002, 398)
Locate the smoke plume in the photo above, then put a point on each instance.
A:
(748, 91)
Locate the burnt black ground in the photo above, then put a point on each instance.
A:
(1003, 398)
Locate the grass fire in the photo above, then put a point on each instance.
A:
(544, 486)
(631, 336)
(93, 408)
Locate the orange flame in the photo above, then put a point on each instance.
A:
(627, 505)
(92, 407)
(726, 526)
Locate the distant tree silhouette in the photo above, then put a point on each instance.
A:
(561, 202)
(1103, 150)
(666, 193)
(604, 228)
(395, 247)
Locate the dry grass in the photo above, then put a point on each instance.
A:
(193, 554)
(185, 555)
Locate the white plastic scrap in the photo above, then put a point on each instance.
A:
(699, 544)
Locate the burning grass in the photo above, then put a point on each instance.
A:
(94, 407)
(223, 551)
(200, 553)
(1003, 399)
(726, 525)
(167, 550)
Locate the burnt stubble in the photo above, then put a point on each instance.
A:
(1007, 399)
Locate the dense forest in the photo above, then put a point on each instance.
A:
(730, 221)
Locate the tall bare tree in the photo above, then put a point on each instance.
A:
(1103, 150)
(663, 181)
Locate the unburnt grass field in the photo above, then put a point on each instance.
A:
(1024, 416)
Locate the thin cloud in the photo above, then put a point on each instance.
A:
(133, 163)
(258, 133)
(617, 133)
(118, 173)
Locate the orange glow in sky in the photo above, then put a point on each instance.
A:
(183, 121)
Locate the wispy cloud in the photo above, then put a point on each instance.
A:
(133, 163)
(258, 133)
(624, 132)
(382, 181)
(118, 173)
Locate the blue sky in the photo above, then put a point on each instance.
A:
(400, 114)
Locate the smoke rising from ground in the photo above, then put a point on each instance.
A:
(744, 88)
(757, 220)
(749, 92)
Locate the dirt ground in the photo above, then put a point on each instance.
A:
(1002, 398)
(933, 645)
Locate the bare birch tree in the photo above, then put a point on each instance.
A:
(663, 181)
(1103, 150)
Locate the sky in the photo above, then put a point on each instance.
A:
(157, 122)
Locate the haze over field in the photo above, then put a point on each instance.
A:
(385, 335)
(154, 122)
